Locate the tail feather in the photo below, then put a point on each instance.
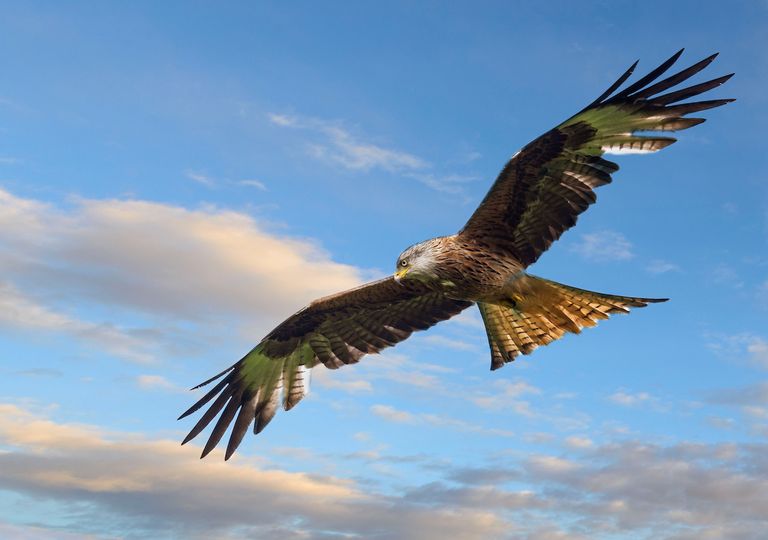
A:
(538, 312)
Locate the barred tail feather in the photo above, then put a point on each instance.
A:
(537, 311)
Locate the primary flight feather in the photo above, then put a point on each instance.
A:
(537, 196)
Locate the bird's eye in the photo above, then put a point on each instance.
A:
(404, 263)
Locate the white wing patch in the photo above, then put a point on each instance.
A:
(624, 150)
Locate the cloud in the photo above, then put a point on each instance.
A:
(341, 147)
(578, 442)
(725, 274)
(449, 183)
(201, 178)
(629, 399)
(391, 414)
(32, 532)
(658, 266)
(21, 312)
(334, 144)
(155, 488)
(684, 489)
(336, 380)
(450, 343)
(603, 246)
(745, 345)
(507, 397)
(156, 382)
(159, 260)
(753, 394)
(258, 184)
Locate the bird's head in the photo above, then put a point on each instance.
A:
(417, 262)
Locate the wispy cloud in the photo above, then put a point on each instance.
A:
(344, 381)
(21, 312)
(341, 147)
(201, 178)
(658, 266)
(742, 346)
(258, 184)
(209, 181)
(450, 343)
(507, 397)
(392, 414)
(335, 144)
(631, 399)
(450, 183)
(157, 382)
(725, 274)
(603, 246)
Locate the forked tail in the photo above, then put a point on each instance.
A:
(539, 311)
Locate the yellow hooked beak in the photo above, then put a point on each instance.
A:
(400, 274)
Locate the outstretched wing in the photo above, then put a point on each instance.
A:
(335, 330)
(544, 187)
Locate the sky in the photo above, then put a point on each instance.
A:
(176, 178)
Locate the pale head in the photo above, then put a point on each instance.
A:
(418, 261)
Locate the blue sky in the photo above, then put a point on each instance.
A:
(176, 178)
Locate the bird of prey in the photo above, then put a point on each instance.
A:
(538, 195)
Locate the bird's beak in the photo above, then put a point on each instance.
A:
(400, 274)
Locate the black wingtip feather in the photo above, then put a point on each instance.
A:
(672, 80)
(206, 398)
(652, 76)
(685, 93)
(615, 85)
(221, 425)
(230, 368)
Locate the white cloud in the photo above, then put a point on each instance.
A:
(335, 144)
(578, 442)
(156, 382)
(391, 414)
(258, 184)
(449, 183)
(21, 312)
(341, 147)
(201, 178)
(282, 120)
(162, 259)
(658, 266)
(340, 380)
(603, 246)
(725, 274)
(507, 397)
(630, 399)
(450, 343)
(745, 345)
(156, 488)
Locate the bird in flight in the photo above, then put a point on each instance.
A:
(538, 195)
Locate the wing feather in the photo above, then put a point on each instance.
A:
(334, 331)
(542, 190)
